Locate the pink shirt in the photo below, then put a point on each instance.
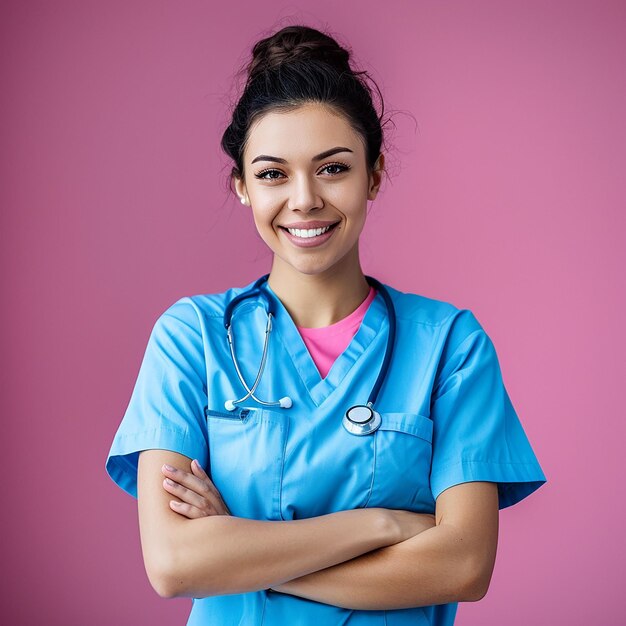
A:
(327, 343)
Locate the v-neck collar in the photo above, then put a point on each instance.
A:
(319, 388)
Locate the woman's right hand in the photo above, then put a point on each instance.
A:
(407, 524)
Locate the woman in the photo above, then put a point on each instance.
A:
(259, 496)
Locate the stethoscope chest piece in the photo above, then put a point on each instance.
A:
(361, 420)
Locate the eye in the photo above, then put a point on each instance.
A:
(341, 166)
(263, 174)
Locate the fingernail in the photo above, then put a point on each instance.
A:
(197, 463)
(169, 481)
(169, 468)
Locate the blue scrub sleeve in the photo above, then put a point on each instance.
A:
(166, 408)
(477, 435)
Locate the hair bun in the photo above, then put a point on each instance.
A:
(296, 43)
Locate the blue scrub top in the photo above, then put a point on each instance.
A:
(446, 419)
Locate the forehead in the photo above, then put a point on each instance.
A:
(308, 130)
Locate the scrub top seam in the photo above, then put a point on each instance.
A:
(412, 320)
(196, 306)
(490, 462)
(436, 387)
(296, 366)
(156, 429)
(371, 487)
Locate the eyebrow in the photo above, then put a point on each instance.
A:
(318, 157)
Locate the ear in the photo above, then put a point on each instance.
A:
(376, 177)
(242, 192)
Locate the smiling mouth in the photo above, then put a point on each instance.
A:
(308, 233)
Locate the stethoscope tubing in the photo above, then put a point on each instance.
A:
(360, 426)
(391, 339)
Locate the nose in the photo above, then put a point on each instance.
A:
(304, 195)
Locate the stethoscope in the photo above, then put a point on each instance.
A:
(360, 419)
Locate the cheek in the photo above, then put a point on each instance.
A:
(357, 215)
(262, 215)
(263, 222)
(352, 200)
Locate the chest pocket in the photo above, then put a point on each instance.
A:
(402, 458)
(246, 454)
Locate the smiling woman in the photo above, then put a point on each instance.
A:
(318, 508)
(312, 209)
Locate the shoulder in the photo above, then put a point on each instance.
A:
(422, 309)
(198, 310)
(449, 325)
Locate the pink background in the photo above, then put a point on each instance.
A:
(506, 197)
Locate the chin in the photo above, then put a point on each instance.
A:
(311, 270)
(308, 268)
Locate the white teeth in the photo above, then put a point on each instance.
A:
(306, 233)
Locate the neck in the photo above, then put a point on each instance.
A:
(318, 300)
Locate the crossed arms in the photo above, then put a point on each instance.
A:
(357, 559)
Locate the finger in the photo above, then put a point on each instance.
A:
(186, 510)
(208, 505)
(199, 472)
(202, 486)
(197, 469)
(198, 492)
(189, 496)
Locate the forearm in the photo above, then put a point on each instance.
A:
(432, 567)
(219, 555)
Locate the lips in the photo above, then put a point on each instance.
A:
(309, 235)
(309, 225)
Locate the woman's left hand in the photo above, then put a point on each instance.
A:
(199, 496)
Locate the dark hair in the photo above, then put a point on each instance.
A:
(296, 65)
